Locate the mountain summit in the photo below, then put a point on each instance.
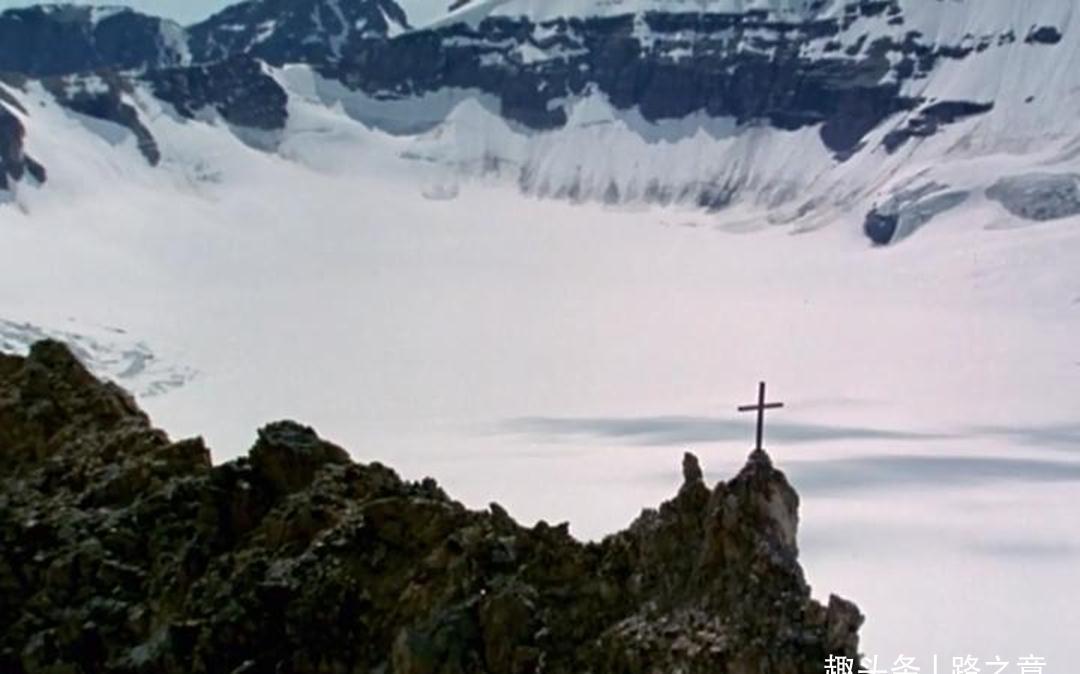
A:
(125, 551)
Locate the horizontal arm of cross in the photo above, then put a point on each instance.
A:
(767, 406)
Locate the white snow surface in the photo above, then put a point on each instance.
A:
(559, 357)
(937, 19)
(425, 12)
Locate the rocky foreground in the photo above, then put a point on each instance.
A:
(123, 551)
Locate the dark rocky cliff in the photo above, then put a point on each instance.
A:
(124, 551)
(747, 66)
(61, 39)
(756, 67)
(294, 31)
(14, 162)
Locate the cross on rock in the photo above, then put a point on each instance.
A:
(760, 408)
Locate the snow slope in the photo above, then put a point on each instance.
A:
(545, 10)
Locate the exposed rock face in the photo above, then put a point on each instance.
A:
(102, 96)
(1038, 196)
(754, 66)
(125, 552)
(1043, 35)
(14, 163)
(931, 118)
(63, 39)
(238, 89)
(748, 66)
(291, 31)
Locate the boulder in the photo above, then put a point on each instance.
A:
(1038, 196)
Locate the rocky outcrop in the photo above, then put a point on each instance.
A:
(102, 96)
(294, 31)
(123, 551)
(931, 118)
(1038, 196)
(238, 89)
(1043, 35)
(14, 162)
(908, 210)
(59, 39)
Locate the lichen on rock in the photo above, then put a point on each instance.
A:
(123, 551)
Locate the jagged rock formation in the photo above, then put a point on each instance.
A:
(297, 31)
(105, 97)
(238, 89)
(14, 162)
(58, 39)
(123, 551)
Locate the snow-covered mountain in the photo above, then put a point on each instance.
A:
(787, 110)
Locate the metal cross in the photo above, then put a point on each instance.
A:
(760, 407)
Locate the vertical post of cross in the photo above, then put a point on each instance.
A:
(760, 414)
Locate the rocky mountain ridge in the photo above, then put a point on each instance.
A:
(753, 66)
(124, 551)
